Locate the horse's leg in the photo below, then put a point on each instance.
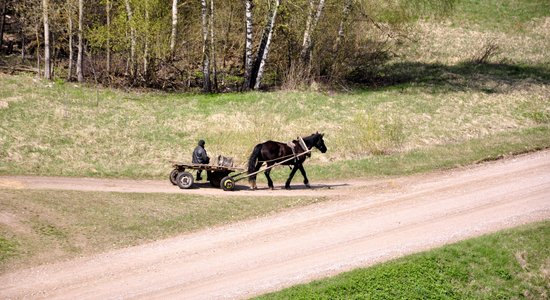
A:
(269, 181)
(287, 184)
(252, 180)
(303, 171)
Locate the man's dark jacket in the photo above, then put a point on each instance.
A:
(200, 156)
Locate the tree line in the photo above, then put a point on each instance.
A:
(214, 45)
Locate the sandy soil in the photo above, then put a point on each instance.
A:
(367, 222)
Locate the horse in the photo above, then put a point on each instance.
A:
(271, 152)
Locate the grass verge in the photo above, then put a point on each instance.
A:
(510, 264)
(46, 226)
(440, 157)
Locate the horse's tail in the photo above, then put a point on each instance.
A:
(252, 162)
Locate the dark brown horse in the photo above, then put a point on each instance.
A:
(272, 152)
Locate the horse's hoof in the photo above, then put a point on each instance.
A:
(287, 187)
(308, 186)
(271, 188)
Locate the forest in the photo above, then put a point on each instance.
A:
(208, 45)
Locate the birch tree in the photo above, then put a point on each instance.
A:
(311, 24)
(146, 41)
(263, 50)
(207, 87)
(70, 32)
(3, 21)
(80, 55)
(132, 60)
(345, 14)
(248, 45)
(47, 59)
(213, 48)
(174, 26)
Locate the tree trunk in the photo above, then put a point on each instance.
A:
(133, 65)
(22, 34)
(248, 45)
(227, 31)
(174, 27)
(71, 54)
(340, 36)
(313, 18)
(3, 22)
(47, 59)
(146, 44)
(37, 49)
(264, 47)
(213, 48)
(108, 45)
(80, 54)
(207, 87)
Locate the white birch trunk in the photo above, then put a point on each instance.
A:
(146, 46)
(80, 55)
(345, 14)
(47, 59)
(174, 26)
(132, 38)
(248, 45)
(205, 48)
(213, 48)
(37, 49)
(270, 27)
(71, 52)
(311, 24)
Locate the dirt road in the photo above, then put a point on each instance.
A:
(371, 222)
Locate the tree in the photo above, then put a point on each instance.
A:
(263, 49)
(69, 6)
(80, 54)
(207, 86)
(312, 20)
(47, 58)
(345, 15)
(132, 60)
(174, 26)
(213, 48)
(3, 21)
(248, 45)
(108, 42)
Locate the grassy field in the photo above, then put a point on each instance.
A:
(512, 264)
(444, 104)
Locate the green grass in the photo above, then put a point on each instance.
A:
(45, 226)
(52, 129)
(501, 15)
(512, 264)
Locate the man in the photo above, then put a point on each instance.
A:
(200, 157)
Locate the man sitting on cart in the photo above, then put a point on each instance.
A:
(200, 157)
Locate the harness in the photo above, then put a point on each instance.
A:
(293, 146)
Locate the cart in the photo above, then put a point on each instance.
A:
(215, 174)
(219, 175)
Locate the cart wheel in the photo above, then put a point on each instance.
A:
(174, 176)
(228, 183)
(184, 180)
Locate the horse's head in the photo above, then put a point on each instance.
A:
(316, 140)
